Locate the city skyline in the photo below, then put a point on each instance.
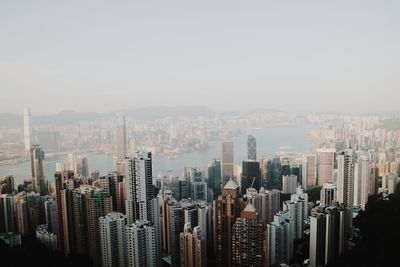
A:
(252, 211)
(180, 133)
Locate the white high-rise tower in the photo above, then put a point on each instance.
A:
(361, 181)
(27, 129)
(141, 244)
(113, 239)
(139, 187)
(120, 138)
(345, 178)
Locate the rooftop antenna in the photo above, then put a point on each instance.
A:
(254, 178)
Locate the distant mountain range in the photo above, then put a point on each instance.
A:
(69, 117)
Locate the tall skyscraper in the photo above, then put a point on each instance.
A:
(361, 181)
(39, 181)
(285, 166)
(82, 168)
(227, 163)
(289, 184)
(120, 139)
(7, 213)
(167, 201)
(51, 216)
(197, 187)
(61, 179)
(27, 129)
(113, 239)
(345, 178)
(302, 198)
(280, 239)
(269, 204)
(141, 244)
(296, 215)
(66, 217)
(325, 165)
(73, 162)
(190, 213)
(335, 238)
(205, 223)
(98, 203)
(214, 176)
(251, 148)
(373, 180)
(176, 226)
(77, 221)
(22, 213)
(309, 169)
(113, 181)
(139, 187)
(328, 194)
(317, 240)
(35, 211)
(199, 192)
(248, 240)
(192, 247)
(156, 223)
(274, 173)
(225, 213)
(391, 183)
(327, 235)
(250, 175)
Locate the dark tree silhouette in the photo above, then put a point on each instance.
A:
(379, 225)
(33, 253)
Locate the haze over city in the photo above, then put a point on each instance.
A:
(199, 133)
(292, 55)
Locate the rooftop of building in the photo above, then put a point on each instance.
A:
(250, 208)
(231, 185)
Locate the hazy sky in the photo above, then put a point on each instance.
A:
(108, 55)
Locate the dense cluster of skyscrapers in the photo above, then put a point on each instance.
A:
(225, 215)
